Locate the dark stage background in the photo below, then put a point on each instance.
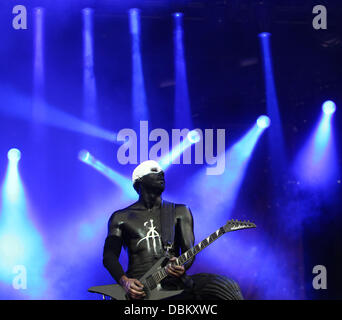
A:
(54, 104)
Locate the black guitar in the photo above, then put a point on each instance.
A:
(151, 279)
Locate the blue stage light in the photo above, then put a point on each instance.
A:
(264, 35)
(124, 183)
(21, 245)
(275, 136)
(329, 107)
(84, 155)
(263, 122)
(54, 116)
(89, 78)
(193, 136)
(222, 190)
(139, 100)
(182, 106)
(87, 11)
(316, 164)
(134, 15)
(186, 140)
(14, 155)
(38, 102)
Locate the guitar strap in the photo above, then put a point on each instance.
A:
(167, 221)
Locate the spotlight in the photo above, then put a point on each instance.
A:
(84, 155)
(263, 122)
(14, 155)
(264, 35)
(134, 11)
(329, 107)
(134, 15)
(123, 182)
(87, 11)
(317, 163)
(193, 136)
(38, 10)
(182, 107)
(178, 14)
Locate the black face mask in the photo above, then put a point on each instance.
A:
(154, 182)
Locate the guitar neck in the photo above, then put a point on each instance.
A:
(189, 254)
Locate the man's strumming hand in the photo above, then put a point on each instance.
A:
(133, 287)
(174, 270)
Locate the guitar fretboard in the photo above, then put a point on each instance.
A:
(189, 254)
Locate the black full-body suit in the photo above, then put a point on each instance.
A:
(138, 230)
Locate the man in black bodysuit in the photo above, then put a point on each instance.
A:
(137, 228)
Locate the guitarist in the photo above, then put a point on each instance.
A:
(137, 228)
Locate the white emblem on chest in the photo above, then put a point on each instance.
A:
(152, 236)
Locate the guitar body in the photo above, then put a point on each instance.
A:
(116, 291)
(151, 279)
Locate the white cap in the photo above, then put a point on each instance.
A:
(144, 168)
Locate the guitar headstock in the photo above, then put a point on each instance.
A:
(233, 225)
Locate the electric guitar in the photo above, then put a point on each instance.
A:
(151, 279)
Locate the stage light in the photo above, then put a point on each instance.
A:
(186, 140)
(87, 11)
(222, 190)
(316, 164)
(139, 100)
(38, 105)
(182, 106)
(275, 135)
(174, 155)
(84, 155)
(124, 183)
(183, 147)
(264, 35)
(263, 122)
(193, 136)
(134, 15)
(89, 78)
(21, 244)
(178, 15)
(54, 117)
(14, 155)
(329, 107)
